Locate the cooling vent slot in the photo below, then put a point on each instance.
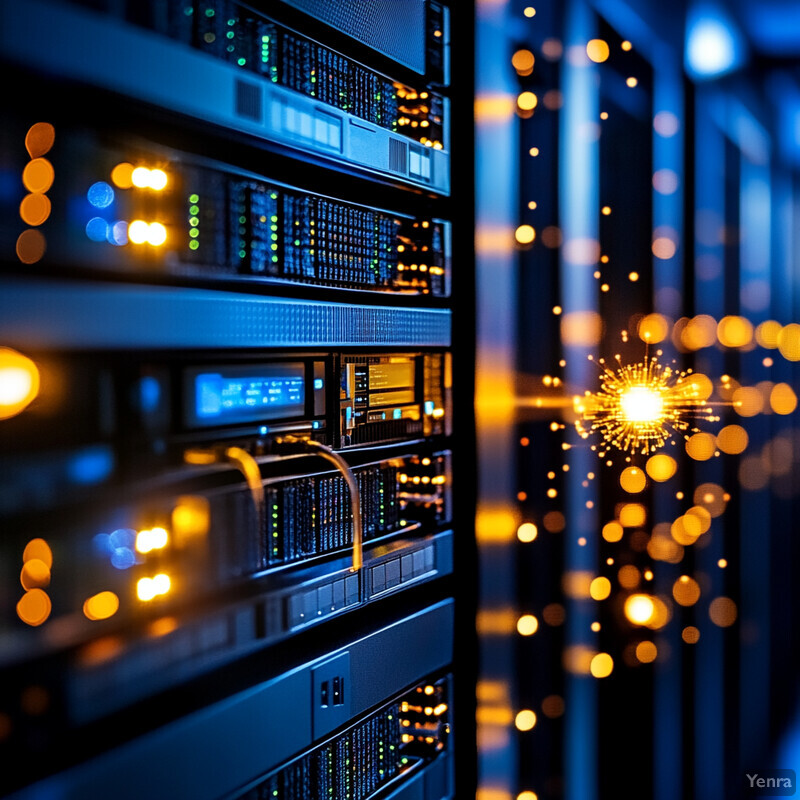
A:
(398, 156)
(248, 100)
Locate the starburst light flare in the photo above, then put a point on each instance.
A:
(640, 406)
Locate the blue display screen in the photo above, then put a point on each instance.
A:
(245, 394)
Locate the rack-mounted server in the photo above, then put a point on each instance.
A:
(369, 121)
(209, 317)
(213, 222)
(259, 734)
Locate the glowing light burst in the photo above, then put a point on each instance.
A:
(640, 406)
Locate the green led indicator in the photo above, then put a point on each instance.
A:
(273, 227)
(230, 48)
(241, 62)
(230, 34)
(274, 259)
(209, 12)
(193, 198)
(274, 237)
(188, 11)
(194, 221)
(242, 253)
(274, 217)
(264, 58)
(194, 244)
(194, 232)
(243, 219)
(231, 22)
(194, 210)
(296, 242)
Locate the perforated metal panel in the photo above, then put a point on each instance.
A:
(395, 28)
(102, 316)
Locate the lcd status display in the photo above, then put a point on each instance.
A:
(228, 396)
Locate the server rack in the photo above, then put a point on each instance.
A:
(231, 453)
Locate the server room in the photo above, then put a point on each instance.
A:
(398, 399)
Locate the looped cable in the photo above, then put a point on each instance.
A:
(323, 451)
(243, 461)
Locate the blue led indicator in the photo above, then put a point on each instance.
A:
(97, 229)
(397, 413)
(318, 383)
(429, 406)
(315, 424)
(263, 430)
(100, 195)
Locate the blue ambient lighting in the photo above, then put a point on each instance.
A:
(100, 195)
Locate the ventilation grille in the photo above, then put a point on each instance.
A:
(248, 100)
(398, 156)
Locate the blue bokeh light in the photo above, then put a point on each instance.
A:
(100, 194)
(120, 544)
(118, 233)
(123, 558)
(714, 46)
(90, 465)
(122, 537)
(97, 229)
(149, 393)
